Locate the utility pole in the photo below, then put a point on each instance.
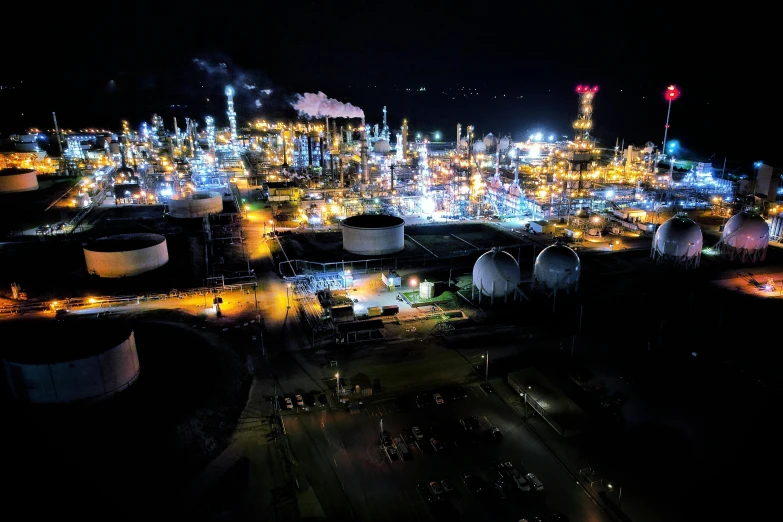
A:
(486, 368)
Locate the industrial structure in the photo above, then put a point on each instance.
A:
(195, 204)
(373, 235)
(678, 242)
(18, 180)
(59, 364)
(125, 255)
(557, 269)
(745, 238)
(495, 274)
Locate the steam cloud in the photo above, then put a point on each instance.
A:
(320, 106)
(222, 71)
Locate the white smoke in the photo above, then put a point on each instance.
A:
(258, 104)
(267, 91)
(249, 87)
(320, 106)
(212, 70)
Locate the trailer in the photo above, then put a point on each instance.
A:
(542, 227)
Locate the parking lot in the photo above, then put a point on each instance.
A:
(342, 456)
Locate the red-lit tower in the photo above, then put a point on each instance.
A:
(581, 153)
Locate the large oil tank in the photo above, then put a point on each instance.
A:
(557, 268)
(195, 204)
(745, 238)
(125, 255)
(373, 235)
(67, 361)
(18, 180)
(678, 242)
(496, 273)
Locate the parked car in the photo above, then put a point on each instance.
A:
(438, 398)
(495, 434)
(436, 488)
(299, 400)
(417, 433)
(386, 439)
(288, 404)
(425, 493)
(446, 486)
(472, 483)
(407, 436)
(516, 476)
(534, 482)
(436, 444)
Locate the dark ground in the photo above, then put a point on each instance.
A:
(133, 452)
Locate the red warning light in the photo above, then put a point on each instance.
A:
(595, 88)
(580, 89)
(672, 93)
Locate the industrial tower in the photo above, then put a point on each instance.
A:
(232, 115)
(385, 133)
(581, 150)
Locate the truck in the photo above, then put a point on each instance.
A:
(374, 311)
(542, 227)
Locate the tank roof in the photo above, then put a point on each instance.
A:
(14, 171)
(123, 242)
(373, 221)
(47, 341)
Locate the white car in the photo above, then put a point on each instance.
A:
(299, 401)
(288, 404)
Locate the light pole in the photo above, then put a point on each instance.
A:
(619, 493)
(756, 166)
(486, 366)
(337, 378)
(288, 294)
(671, 94)
(255, 298)
(524, 394)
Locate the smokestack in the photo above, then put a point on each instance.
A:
(57, 131)
(321, 146)
(176, 132)
(459, 134)
(328, 143)
(392, 179)
(342, 178)
(404, 137)
(364, 152)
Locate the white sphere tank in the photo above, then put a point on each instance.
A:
(678, 241)
(373, 235)
(745, 238)
(557, 267)
(195, 204)
(463, 143)
(505, 143)
(479, 147)
(125, 255)
(381, 147)
(496, 273)
(490, 141)
(18, 180)
(54, 362)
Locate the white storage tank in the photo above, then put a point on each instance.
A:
(505, 143)
(479, 147)
(52, 361)
(557, 268)
(381, 147)
(490, 141)
(195, 204)
(18, 180)
(426, 290)
(679, 242)
(745, 238)
(373, 235)
(125, 255)
(496, 273)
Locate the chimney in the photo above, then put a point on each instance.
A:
(310, 151)
(321, 146)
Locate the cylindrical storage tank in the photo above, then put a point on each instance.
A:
(373, 235)
(18, 180)
(479, 147)
(678, 241)
(745, 238)
(426, 290)
(67, 361)
(496, 273)
(125, 255)
(195, 204)
(558, 268)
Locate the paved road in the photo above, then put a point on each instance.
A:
(340, 454)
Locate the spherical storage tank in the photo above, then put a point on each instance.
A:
(505, 143)
(496, 273)
(18, 180)
(479, 147)
(678, 241)
(66, 361)
(125, 255)
(195, 204)
(490, 141)
(373, 235)
(745, 238)
(381, 147)
(557, 268)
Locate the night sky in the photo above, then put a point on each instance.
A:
(520, 63)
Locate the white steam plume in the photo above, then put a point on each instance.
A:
(320, 106)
